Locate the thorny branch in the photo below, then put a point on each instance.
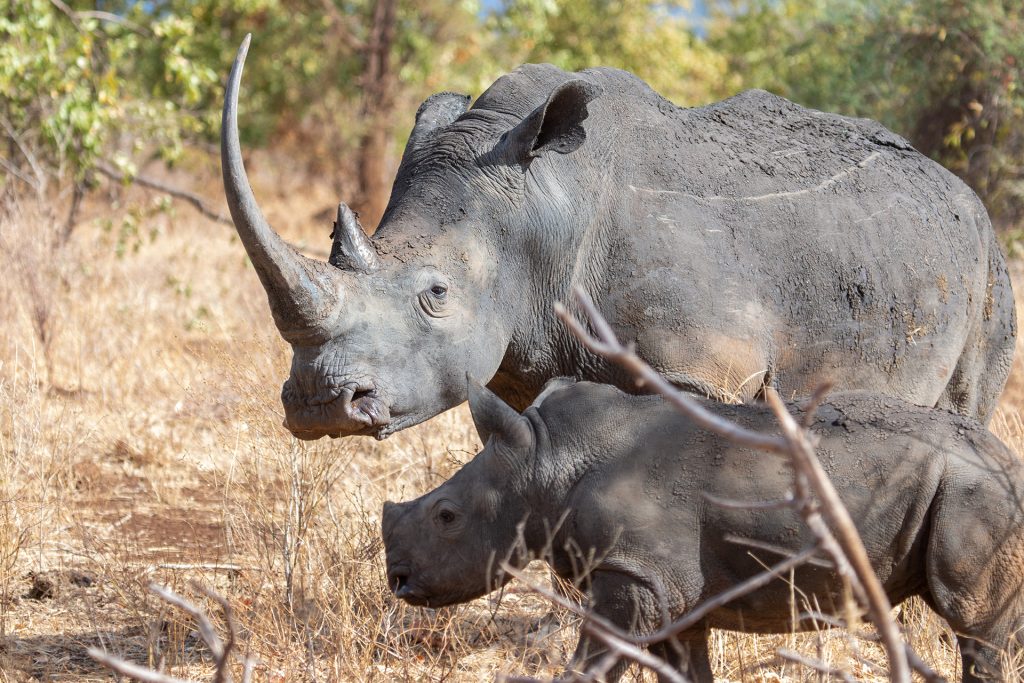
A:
(814, 498)
(222, 652)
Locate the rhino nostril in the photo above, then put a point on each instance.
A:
(363, 393)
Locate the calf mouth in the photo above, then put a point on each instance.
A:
(398, 582)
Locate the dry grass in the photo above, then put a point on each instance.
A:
(140, 442)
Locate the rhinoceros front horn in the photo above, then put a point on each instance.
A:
(304, 294)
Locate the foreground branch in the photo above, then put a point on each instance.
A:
(608, 346)
(222, 652)
(845, 532)
(617, 642)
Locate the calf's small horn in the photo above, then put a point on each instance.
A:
(304, 294)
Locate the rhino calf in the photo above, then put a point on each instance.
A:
(613, 485)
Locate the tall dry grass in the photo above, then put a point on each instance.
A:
(140, 441)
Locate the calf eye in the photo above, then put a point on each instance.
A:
(446, 516)
(439, 291)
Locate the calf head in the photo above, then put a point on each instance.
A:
(384, 333)
(448, 545)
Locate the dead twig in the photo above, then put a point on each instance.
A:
(845, 532)
(791, 656)
(133, 671)
(697, 614)
(622, 644)
(606, 345)
(222, 651)
(145, 181)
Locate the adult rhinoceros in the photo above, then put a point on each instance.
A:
(747, 243)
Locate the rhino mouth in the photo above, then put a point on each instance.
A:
(351, 410)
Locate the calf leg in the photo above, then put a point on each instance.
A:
(980, 661)
(633, 607)
(688, 653)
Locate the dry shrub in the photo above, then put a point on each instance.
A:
(140, 442)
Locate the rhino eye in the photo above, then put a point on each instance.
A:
(434, 301)
(446, 516)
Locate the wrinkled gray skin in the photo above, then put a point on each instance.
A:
(744, 244)
(938, 500)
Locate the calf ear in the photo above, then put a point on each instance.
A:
(556, 125)
(492, 416)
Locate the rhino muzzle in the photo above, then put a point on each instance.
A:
(353, 411)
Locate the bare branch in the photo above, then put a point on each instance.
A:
(816, 399)
(849, 540)
(604, 631)
(133, 671)
(145, 181)
(26, 151)
(221, 651)
(13, 170)
(775, 549)
(697, 614)
(608, 346)
(112, 18)
(926, 672)
(67, 11)
(824, 668)
(206, 630)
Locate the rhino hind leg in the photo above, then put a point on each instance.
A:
(984, 365)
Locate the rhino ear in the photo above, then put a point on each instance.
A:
(437, 111)
(556, 125)
(492, 416)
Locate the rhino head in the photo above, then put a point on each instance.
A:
(384, 333)
(448, 545)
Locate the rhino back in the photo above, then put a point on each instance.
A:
(810, 238)
(755, 242)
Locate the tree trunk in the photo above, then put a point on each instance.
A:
(379, 84)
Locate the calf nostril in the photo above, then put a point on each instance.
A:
(398, 579)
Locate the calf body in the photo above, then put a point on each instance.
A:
(612, 486)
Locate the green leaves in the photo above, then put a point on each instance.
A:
(146, 78)
(946, 74)
(651, 39)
